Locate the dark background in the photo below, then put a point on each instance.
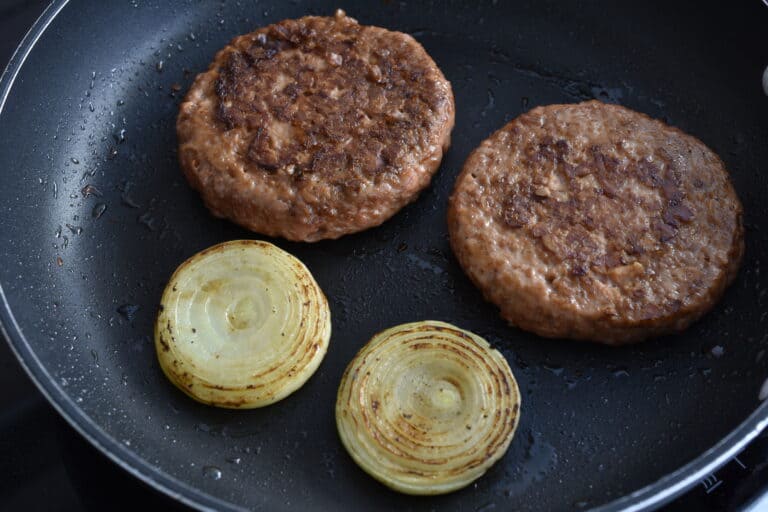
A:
(47, 466)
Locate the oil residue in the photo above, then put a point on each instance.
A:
(76, 230)
(540, 458)
(128, 311)
(228, 431)
(620, 372)
(98, 210)
(554, 370)
(423, 264)
(212, 472)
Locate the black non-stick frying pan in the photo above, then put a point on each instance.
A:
(96, 216)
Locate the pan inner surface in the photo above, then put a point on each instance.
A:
(98, 216)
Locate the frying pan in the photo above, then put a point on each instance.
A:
(96, 216)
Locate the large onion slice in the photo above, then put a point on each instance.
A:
(242, 324)
(427, 408)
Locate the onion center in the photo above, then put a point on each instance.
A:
(445, 395)
(243, 314)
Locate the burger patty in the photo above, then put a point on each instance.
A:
(591, 221)
(314, 128)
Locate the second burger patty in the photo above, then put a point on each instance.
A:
(591, 221)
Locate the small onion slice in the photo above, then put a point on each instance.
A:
(242, 324)
(427, 408)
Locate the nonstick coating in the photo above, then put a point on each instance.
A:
(95, 104)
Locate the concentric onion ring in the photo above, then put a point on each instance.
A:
(427, 408)
(242, 324)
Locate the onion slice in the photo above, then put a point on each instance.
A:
(242, 324)
(427, 408)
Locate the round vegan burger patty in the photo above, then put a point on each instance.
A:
(591, 221)
(315, 128)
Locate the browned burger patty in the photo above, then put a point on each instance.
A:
(315, 128)
(592, 221)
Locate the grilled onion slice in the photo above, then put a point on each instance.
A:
(427, 408)
(242, 324)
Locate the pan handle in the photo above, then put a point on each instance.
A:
(765, 73)
(765, 76)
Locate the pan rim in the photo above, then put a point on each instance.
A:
(647, 498)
